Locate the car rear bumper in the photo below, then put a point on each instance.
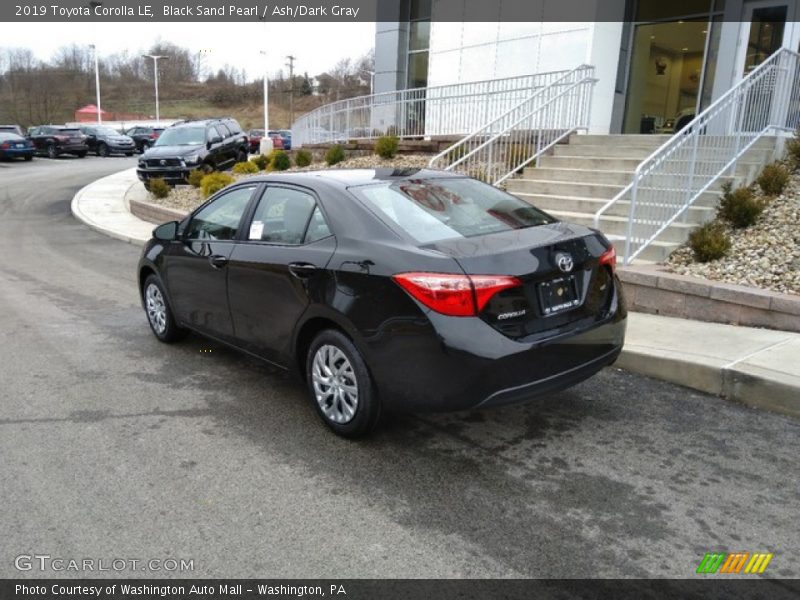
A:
(462, 363)
(16, 152)
(72, 148)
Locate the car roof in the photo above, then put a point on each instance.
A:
(356, 177)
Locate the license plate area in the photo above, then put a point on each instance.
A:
(558, 295)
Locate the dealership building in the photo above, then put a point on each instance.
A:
(658, 62)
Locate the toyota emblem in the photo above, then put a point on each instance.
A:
(162, 162)
(564, 262)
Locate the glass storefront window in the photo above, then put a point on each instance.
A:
(766, 35)
(419, 35)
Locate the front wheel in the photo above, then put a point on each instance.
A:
(102, 150)
(52, 152)
(159, 313)
(340, 385)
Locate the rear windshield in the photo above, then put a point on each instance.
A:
(6, 136)
(182, 136)
(69, 131)
(256, 132)
(440, 209)
(106, 131)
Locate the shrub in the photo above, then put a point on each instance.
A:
(793, 150)
(159, 188)
(709, 242)
(739, 207)
(261, 161)
(386, 146)
(280, 160)
(245, 168)
(195, 177)
(335, 154)
(773, 179)
(302, 158)
(214, 182)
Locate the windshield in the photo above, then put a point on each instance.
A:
(256, 132)
(440, 209)
(106, 131)
(182, 136)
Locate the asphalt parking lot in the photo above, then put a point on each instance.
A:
(114, 445)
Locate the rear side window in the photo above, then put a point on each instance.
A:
(283, 216)
(439, 209)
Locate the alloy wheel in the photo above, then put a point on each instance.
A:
(156, 308)
(335, 384)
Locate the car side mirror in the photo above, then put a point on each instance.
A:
(166, 232)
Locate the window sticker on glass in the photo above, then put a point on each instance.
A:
(256, 230)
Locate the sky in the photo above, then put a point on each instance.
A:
(316, 47)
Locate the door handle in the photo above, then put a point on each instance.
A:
(217, 261)
(302, 270)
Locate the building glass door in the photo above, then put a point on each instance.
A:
(762, 33)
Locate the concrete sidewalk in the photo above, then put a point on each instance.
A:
(757, 367)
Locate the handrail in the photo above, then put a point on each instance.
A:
(506, 144)
(417, 112)
(718, 137)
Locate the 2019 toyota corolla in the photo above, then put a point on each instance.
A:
(390, 290)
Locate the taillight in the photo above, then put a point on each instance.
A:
(5, 145)
(609, 257)
(153, 136)
(454, 295)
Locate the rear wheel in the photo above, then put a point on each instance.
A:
(340, 385)
(241, 156)
(29, 157)
(102, 150)
(52, 152)
(159, 313)
(129, 154)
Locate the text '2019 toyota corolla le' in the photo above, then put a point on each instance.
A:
(399, 290)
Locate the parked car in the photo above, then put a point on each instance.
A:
(105, 141)
(210, 144)
(15, 146)
(144, 137)
(55, 140)
(277, 140)
(13, 129)
(286, 134)
(390, 290)
(254, 136)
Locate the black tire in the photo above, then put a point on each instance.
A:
(206, 168)
(129, 154)
(102, 150)
(367, 409)
(52, 151)
(171, 332)
(29, 158)
(241, 156)
(81, 155)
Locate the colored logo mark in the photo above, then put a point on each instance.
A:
(738, 562)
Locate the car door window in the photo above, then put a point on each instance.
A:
(220, 219)
(282, 216)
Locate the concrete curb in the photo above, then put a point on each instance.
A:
(756, 367)
(101, 206)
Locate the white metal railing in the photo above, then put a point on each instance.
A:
(673, 177)
(432, 111)
(514, 139)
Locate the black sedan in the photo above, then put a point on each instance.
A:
(390, 290)
(15, 146)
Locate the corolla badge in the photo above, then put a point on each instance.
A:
(564, 262)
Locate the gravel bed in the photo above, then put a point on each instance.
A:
(765, 255)
(185, 197)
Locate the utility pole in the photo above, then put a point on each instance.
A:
(290, 64)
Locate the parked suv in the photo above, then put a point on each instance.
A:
(144, 137)
(211, 144)
(54, 140)
(104, 141)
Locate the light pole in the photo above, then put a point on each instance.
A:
(266, 139)
(155, 58)
(97, 84)
(371, 80)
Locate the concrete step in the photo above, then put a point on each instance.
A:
(656, 252)
(676, 233)
(697, 214)
(619, 150)
(642, 141)
(563, 188)
(592, 163)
